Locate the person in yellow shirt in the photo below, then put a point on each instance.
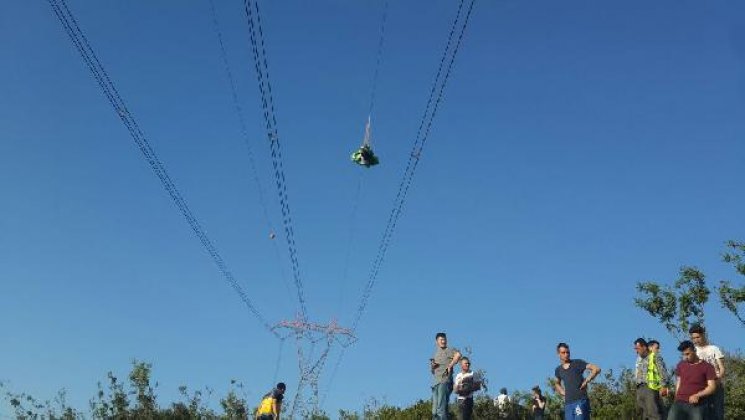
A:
(271, 403)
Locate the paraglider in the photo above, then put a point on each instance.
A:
(364, 156)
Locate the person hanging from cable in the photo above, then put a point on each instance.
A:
(364, 156)
(271, 403)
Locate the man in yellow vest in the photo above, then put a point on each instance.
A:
(651, 378)
(271, 403)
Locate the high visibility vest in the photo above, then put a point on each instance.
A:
(654, 381)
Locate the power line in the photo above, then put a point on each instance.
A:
(246, 139)
(373, 95)
(350, 241)
(421, 137)
(378, 58)
(436, 93)
(267, 102)
(80, 41)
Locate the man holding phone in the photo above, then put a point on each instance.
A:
(441, 366)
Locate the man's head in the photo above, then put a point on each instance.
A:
(698, 335)
(281, 387)
(503, 391)
(563, 350)
(441, 339)
(465, 364)
(654, 346)
(688, 351)
(641, 347)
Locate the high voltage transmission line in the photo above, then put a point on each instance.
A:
(459, 25)
(304, 331)
(246, 139)
(261, 65)
(425, 126)
(80, 41)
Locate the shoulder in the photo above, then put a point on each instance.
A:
(716, 351)
(579, 363)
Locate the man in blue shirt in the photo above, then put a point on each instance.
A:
(572, 384)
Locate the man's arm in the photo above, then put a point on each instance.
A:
(276, 408)
(456, 358)
(662, 370)
(677, 386)
(664, 375)
(594, 371)
(711, 386)
(558, 387)
(458, 382)
(720, 365)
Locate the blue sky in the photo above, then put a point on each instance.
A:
(580, 148)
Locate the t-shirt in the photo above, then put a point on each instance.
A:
(266, 401)
(537, 408)
(502, 400)
(693, 377)
(471, 380)
(443, 357)
(710, 353)
(571, 379)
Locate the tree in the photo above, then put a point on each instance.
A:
(679, 306)
(734, 386)
(233, 405)
(731, 296)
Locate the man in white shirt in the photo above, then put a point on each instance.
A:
(713, 355)
(502, 402)
(466, 384)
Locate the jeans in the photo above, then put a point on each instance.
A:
(465, 408)
(717, 402)
(685, 411)
(577, 410)
(648, 400)
(440, 397)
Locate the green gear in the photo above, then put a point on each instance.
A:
(364, 156)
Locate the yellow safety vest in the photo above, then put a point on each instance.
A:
(653, 376)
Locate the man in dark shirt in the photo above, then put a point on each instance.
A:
(696, 380)
(572, 384)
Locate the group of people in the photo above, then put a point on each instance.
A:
(699, 391)
(465, 385)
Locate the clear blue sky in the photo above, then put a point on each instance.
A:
(580, 148)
